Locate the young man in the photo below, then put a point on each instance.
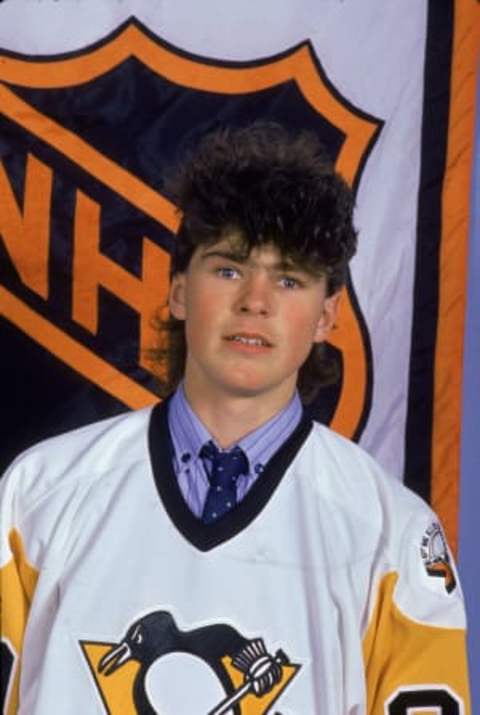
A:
(220, 553)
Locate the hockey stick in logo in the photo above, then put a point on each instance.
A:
(228, 703)
(262, 674)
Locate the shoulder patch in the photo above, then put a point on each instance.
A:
(436, 557)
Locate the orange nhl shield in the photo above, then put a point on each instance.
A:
(85, 229)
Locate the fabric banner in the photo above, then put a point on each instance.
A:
(98, 100)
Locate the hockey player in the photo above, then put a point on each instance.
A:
(220, 553)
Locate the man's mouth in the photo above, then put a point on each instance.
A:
(249, 339)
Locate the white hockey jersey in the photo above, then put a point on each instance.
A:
(329, 590)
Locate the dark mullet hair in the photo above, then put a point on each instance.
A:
(270, 187)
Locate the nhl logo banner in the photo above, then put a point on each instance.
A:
(113, 188)
(87, 133)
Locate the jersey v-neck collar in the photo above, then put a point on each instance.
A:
(207, 536)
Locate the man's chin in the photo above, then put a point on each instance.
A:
(249, 388)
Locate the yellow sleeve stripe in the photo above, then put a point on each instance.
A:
(28, 573)
(400, 653)
(18, 579)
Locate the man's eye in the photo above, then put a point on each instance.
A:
(227, 272)
(289, 282)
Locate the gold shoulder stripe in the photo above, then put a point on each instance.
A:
(18, 579)
(400, 653)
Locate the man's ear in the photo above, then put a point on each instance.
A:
(176, 296)
(328, 317)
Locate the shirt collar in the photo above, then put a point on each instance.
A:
(189, 434)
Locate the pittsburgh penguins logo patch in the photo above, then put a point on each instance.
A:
(436, 559)
(213, 670)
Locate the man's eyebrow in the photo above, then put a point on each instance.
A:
(235, 256)
(285, 264)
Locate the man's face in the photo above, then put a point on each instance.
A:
(250, 321)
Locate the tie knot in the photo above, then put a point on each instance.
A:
(225, 467)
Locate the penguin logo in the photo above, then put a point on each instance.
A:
(158, 669)
(434, 552)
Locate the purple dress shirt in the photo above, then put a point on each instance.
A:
(189, 435)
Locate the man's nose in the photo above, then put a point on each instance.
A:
(256, 296)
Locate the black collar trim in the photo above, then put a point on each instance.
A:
(207, 536)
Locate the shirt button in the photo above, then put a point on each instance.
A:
(186, 457)
(259, 468)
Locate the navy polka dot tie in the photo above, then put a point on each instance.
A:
(223, 469)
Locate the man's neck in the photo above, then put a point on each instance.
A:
(229, 418)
